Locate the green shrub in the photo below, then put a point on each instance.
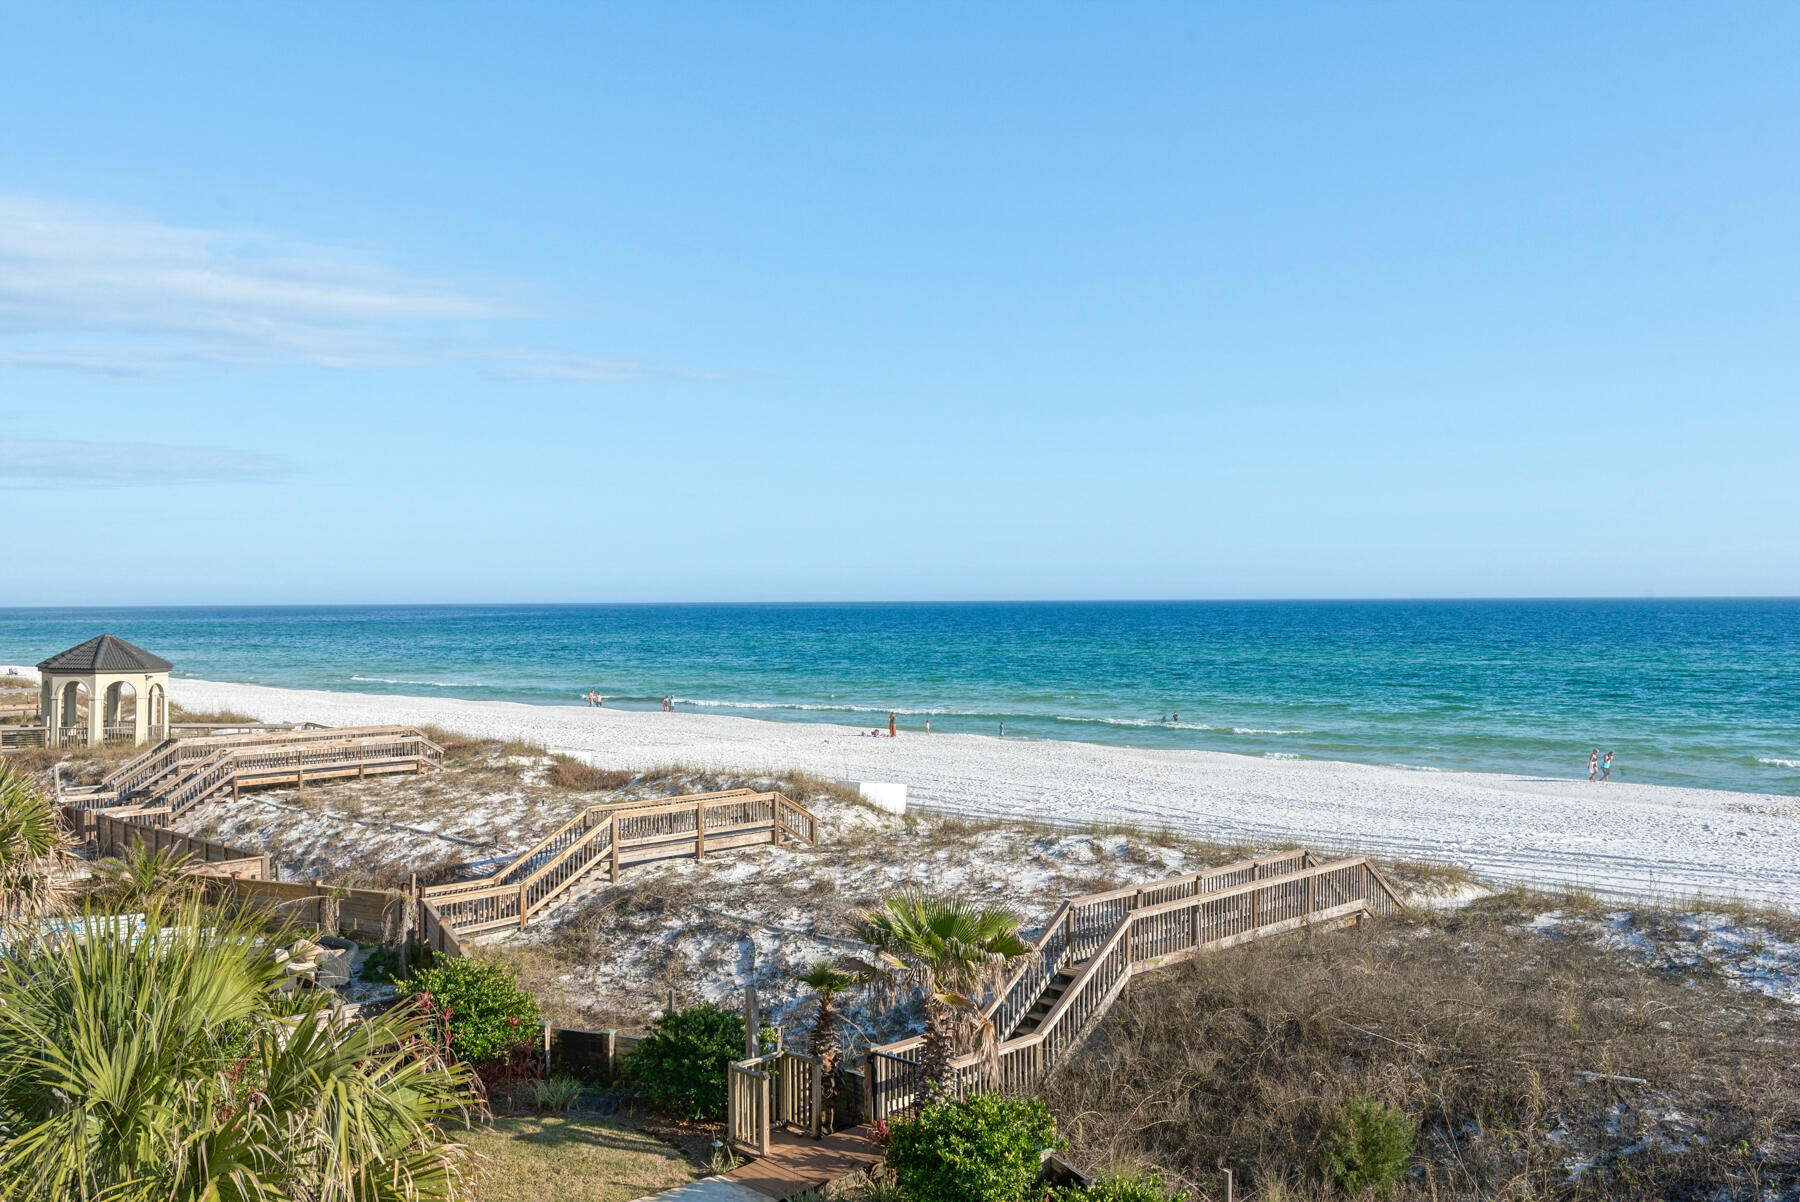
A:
(480, 1011)
(987, 1148)
(681, 1063)
(381, 964)
(1134, 1188)
(556, 1093)
(1367, 1147)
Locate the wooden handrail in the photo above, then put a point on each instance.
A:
(593, 837)
(1116, 959)
(1067, 911)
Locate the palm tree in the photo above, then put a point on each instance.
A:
(828, 982)
(949, 948)
(33, 848)
(155, 1058)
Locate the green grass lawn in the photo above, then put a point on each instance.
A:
(569, 1159)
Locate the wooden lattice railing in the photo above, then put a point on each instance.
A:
(1156, 925)
(615, 837)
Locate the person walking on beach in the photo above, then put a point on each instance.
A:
(928, 726)
(1605, 767)
(1593, 765)
(893, 730)
(1003, 730)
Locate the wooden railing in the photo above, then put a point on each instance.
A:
(18, 738)
(782, 1089)
(178, 774)
(1204, 915)
(1082, 923)
(615, 837)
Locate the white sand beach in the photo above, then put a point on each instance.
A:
(1625, 840)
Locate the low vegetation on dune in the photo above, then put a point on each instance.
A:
(1527, 1061)
(1516, 1045)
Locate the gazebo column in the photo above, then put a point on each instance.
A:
(96, 713)
(140, 711)
(51, 704)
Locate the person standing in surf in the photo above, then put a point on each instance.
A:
(1593, 765)
(893, 729)
(1606, 767)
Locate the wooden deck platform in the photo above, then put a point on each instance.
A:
(797, 1163)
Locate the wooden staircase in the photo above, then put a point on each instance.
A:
(614, 837)
(1094, 944)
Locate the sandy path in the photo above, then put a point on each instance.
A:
(1622, 839)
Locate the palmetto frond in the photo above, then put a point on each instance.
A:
(950, 948)
(143, 873)
(152, 1059)
(944, 943)
(826, 979)
(33, 848)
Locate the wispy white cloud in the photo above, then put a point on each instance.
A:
(52, 463)
(558, 365)
(82, 291)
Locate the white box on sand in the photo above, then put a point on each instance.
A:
(886, 795)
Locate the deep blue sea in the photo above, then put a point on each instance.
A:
(1685, 692)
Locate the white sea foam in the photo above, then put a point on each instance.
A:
(1280, 755)
(431, 684)
(714, 703)
(1777, 763)
(1136, 722)
(1416, 767)
(1252, 730)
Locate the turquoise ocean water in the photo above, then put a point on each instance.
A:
(1685, 692)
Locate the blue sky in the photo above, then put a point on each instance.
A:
(676, 301)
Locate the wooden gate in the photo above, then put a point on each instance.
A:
(781, 1089)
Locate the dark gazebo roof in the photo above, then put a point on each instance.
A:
(103, 653)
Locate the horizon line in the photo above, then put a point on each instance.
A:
(1362, 600)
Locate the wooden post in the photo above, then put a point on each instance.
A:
(699, 830)
(818, 1093)
(613, 839)
(762, 1114)
(521, 905)
(361, 752)
(409, 919)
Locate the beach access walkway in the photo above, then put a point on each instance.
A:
(1055, 996)
(177, 774)
(613, 837)
(1095, 944)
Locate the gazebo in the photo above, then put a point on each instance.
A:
(109, 670)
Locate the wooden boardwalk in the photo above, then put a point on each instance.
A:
(797, 1163)
(158, 786)
(1094, 945)
(613, 837)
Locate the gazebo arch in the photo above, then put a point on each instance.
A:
(106, 669)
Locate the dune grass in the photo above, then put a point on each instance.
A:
(1534, 1066)
(569, 1158)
